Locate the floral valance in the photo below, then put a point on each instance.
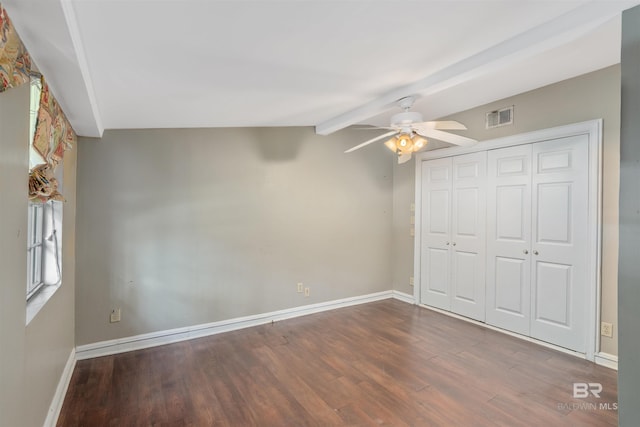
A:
(53, 136)
(15, 63)
(53, 132)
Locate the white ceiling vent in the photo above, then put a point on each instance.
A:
(499, 118)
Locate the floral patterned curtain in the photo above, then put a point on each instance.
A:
(53, 136)
(54, 133)
(15, 63)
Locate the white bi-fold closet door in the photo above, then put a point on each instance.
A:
(453, 243)
(504, 238)
(537, 275)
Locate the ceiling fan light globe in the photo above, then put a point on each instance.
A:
(404, 144)
(419, 142)
(391, 144)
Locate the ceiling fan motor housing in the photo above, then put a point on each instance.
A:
(406, 118)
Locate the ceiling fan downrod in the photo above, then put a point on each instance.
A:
(406, 103)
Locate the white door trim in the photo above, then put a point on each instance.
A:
(593, 130)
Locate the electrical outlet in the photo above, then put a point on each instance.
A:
(307, 291)
(300, 288)
(606, 329)
(411, 280)
(115, 315)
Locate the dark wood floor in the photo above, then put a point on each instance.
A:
(383, 363)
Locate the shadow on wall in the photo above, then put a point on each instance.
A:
(285, 145)
(278, 144)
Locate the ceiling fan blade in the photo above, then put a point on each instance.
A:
(377, 138)
(446, 137)
(440, 124)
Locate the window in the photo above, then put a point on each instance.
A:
(35, 231)
(35, 158)
(35, 248)
(44, 247)
(44, 221)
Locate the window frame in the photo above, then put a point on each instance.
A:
(35, 249)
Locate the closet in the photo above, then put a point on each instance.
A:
(453, 218)
(505, 237)
(537, 248)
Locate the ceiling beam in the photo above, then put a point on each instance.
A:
(83, 65)
(50, 33)
(554, 33)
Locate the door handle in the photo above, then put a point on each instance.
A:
(454, 243)
(525, 251)
(447, 243)
(535, 252)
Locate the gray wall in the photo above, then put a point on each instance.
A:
(32, 357)
(629, 268)
(14, 121)
(189, 226)
(591, 96)
(403, 196)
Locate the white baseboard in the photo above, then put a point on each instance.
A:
(403, 297)
(608, 360)
(138, 342)
(61, 391)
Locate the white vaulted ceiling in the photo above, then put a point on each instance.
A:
(329, 64)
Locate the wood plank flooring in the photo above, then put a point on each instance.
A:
(383, 363)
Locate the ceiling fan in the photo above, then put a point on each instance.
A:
(408, 132)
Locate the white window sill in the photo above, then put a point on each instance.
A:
(39, 300)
